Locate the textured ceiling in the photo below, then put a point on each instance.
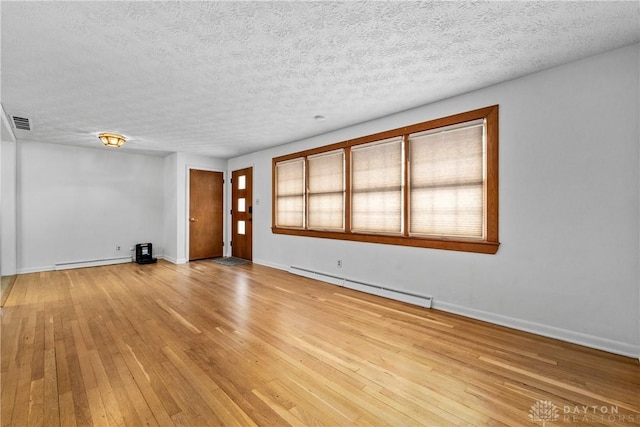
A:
(226, 78)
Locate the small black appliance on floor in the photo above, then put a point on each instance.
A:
(144, 254)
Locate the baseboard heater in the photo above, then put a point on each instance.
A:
(370, 288)
(91, 263)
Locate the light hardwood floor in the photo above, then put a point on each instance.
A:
(202, 344)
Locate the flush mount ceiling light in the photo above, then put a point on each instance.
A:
(112, 139)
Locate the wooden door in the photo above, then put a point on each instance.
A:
(205, 214)
(242, 213)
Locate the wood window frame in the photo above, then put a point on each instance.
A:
(488, 245)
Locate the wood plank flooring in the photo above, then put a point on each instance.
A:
(202, 344)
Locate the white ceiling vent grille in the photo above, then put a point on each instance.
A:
(21, 123)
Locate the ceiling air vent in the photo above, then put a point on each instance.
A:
(21, 123)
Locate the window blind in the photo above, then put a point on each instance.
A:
(325, 202)
(290, 193)
(447, 181)
(376, 187)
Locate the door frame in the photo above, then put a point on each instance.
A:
(187, 207)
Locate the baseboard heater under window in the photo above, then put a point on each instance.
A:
(370, 288)
(91, 263)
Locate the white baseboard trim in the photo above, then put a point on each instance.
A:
(75, 264)
(36, 269)
(611, 346)
(271, 264)
(579, 338)
(92, 263)
(366, 287)
(317, 275)
(172, 259)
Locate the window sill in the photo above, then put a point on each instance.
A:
(463, 245)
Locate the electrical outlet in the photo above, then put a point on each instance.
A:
(339, 263)
(117, 248)
(131, 248)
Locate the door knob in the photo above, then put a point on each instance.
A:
(192, 219)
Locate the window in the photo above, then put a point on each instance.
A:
(290, 194)
(326, 191)
(433, 184)
(242, 182)
(376, 187)
(447, 181)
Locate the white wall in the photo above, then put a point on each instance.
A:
(77, 204)
(8, 236)
(569, 261)
(171, 208)
(8, 206)
(176, 180)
